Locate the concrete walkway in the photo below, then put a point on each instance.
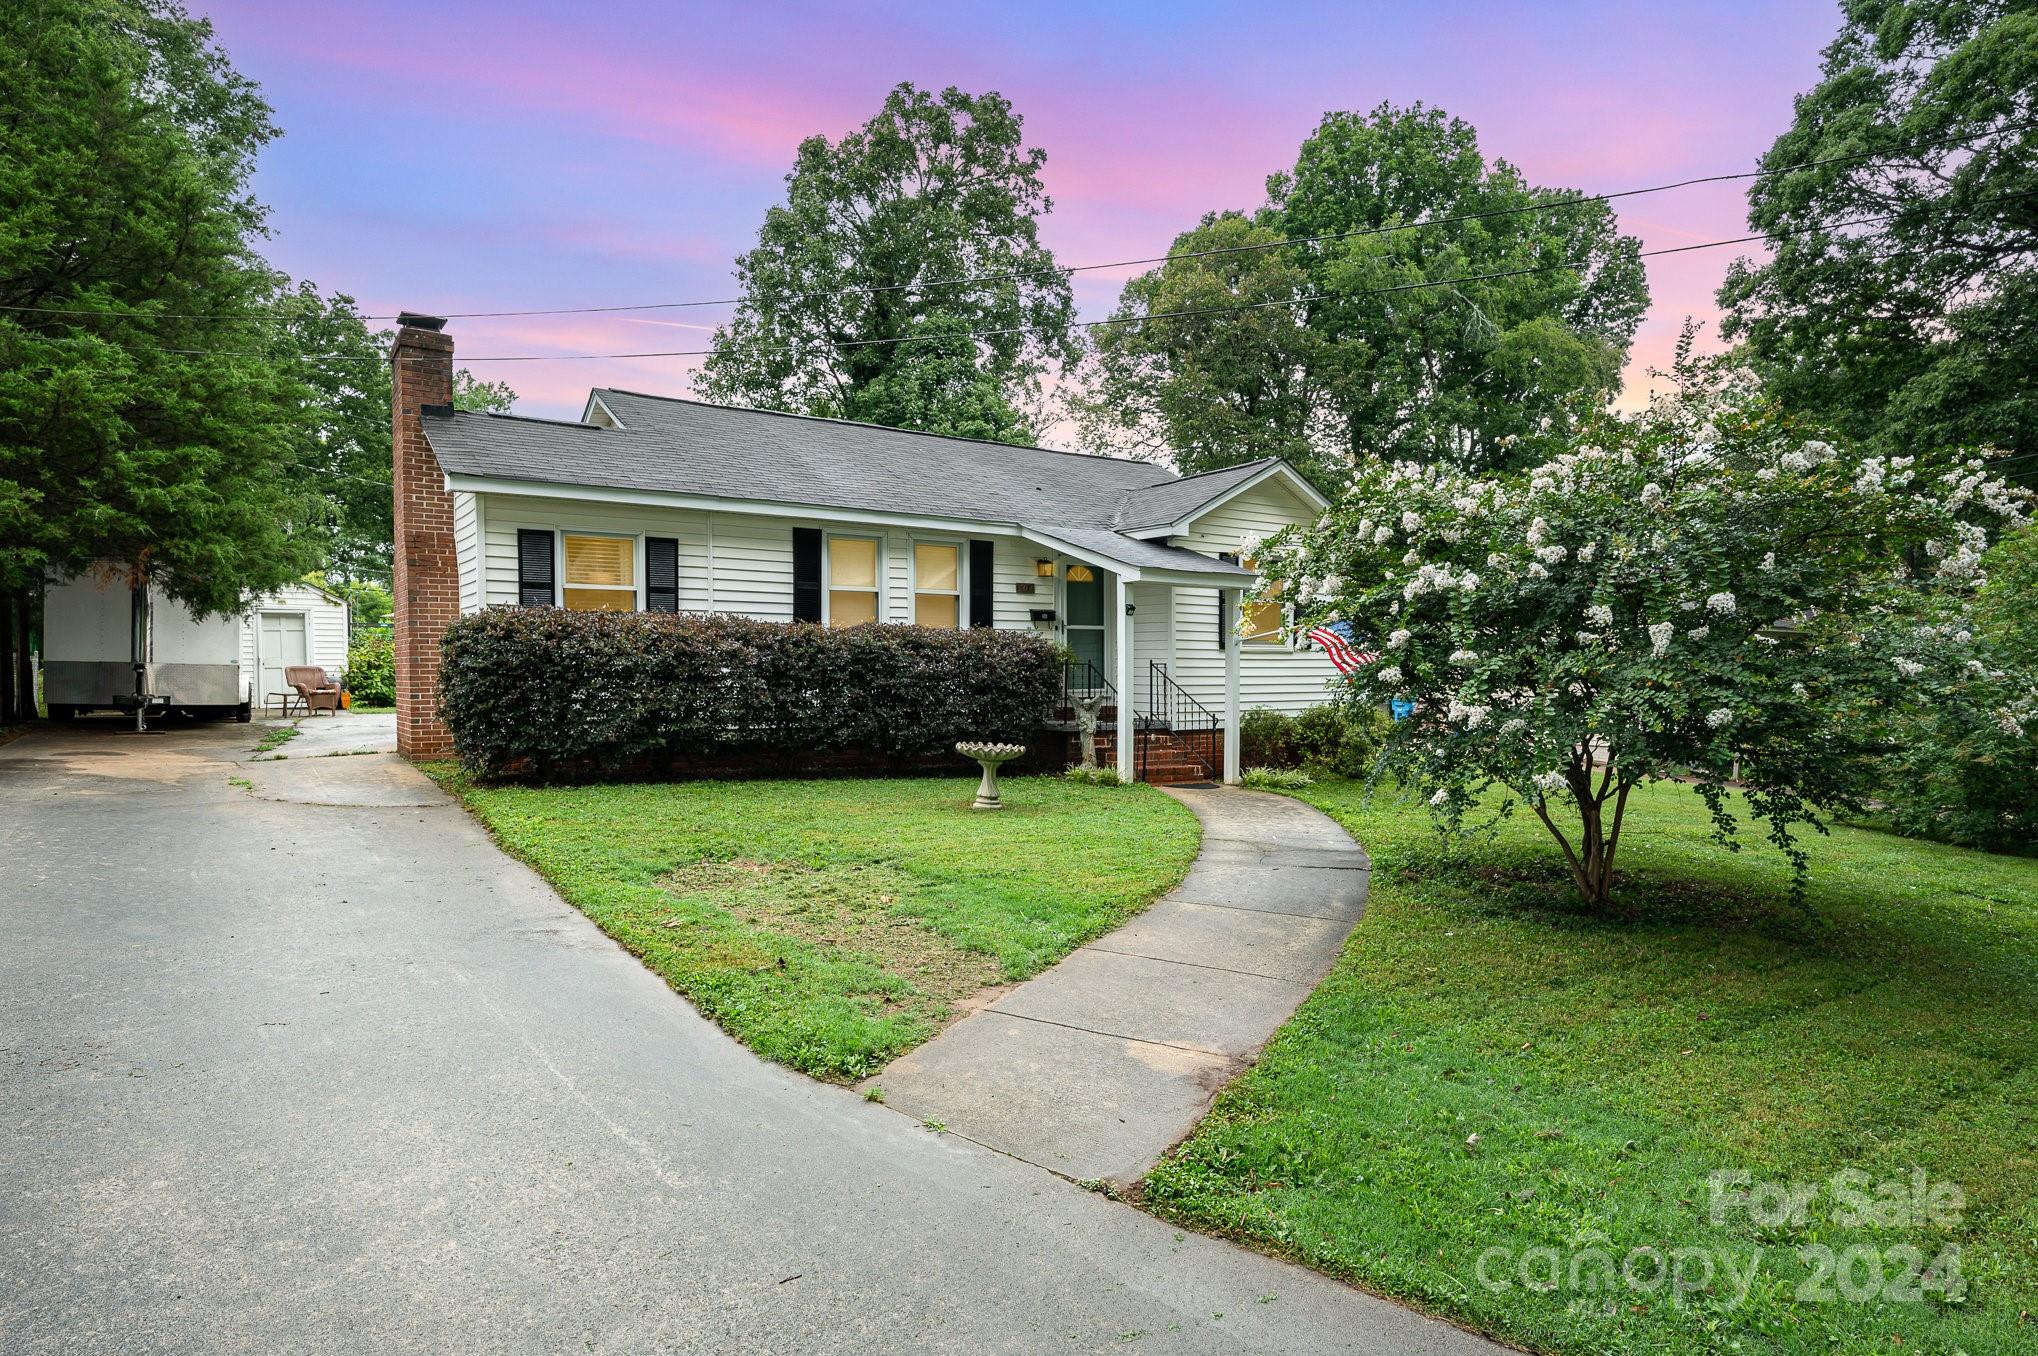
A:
(1096, 1067)
(286, 1078)
(331, 736)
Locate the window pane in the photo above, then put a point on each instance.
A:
(851, 607)
(1260, 623)
(1085, 601)
(934, 568)
(852, 563)
(934, 609)
(600, 600)
(601, 560)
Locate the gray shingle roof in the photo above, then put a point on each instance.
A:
(1175, 499)
(721, 452)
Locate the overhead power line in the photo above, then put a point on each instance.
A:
(1061, 270)
(1299, 299)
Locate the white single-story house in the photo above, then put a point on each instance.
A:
(662, 503)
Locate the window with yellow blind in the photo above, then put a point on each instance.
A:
(937, 584)
(1260, 623)
(601, 574)
(852, 581)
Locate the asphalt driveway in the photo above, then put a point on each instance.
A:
(279, 1076)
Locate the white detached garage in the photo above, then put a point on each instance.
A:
(300, 624)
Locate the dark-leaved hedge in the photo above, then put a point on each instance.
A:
(552, 693)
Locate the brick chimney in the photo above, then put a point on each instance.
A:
(427, 571)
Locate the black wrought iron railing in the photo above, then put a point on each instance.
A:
(1172, 710)
(1082, 680)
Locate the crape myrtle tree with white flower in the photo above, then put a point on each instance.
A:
(1694, 591)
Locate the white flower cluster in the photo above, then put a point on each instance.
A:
(1434, 578)
(1470, 716)
(1551, 555)
(1441, 798)
(1721, 603)
(1699, 632)
(1464, 657)
(1547, 782)
(1537, 530)
(1389, 676)
(1588, 551)
(1652, 495)
(1659, 638)
(1396, 639)
(1719, 716)
(1599, 614)
(1909, 668)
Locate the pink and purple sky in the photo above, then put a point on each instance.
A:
(465, 157)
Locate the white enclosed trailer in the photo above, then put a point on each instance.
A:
(106, 645)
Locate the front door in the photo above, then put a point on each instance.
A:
(1083, 602)
(282, 641)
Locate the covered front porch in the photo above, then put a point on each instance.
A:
(1155, 656)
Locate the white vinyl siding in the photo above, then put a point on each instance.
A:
(1277, 677)
(466, 524)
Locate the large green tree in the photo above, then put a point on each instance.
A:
(1456, 313)
(1902, 305)
(860, 256)
(343, 454)
(129, 428)
(1236, 376)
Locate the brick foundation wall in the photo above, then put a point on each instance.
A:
(427, 572)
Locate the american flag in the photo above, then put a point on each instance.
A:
(1336, 640)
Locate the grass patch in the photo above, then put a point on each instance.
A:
(276, 737)
(832, 925)
(1491, 1066)
(371, 709)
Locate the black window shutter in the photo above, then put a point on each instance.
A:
(807, 574)
(534, 567)
(661, 574)
(1224, 622)
(980, 575)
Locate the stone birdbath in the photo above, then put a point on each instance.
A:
(992, 756)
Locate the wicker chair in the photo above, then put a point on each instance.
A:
(319, 692)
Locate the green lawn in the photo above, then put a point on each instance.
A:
(831, 925)
(1608, 1067)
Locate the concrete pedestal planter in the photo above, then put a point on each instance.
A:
(991, 756)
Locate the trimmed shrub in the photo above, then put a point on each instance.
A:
(1332, 739)
(371, 670)
(555, 693)
(1093, 776)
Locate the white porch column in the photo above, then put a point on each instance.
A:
(1229, 600)
(1121, 631)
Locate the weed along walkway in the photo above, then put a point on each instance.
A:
(1094, 1068)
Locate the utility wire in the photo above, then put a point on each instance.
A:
(1188, 313)
(1066, 270)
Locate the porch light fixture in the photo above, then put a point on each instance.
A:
(1044, 568)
